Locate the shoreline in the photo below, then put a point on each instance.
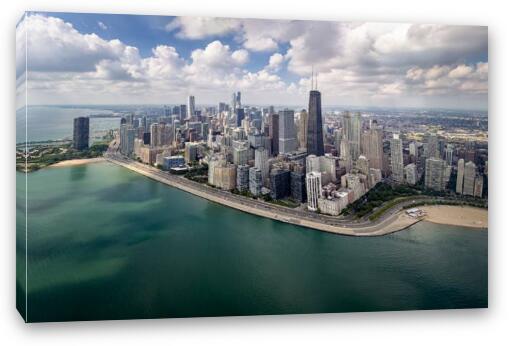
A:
(77, 162)
(461, 216)
(393, 223)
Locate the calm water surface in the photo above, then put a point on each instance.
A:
(51, 123)
(106, 243)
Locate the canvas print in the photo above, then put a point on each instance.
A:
(197, 166)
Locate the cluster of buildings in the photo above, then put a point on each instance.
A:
(288, 154)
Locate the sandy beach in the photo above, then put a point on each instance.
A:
(77, 162)
(457, 216)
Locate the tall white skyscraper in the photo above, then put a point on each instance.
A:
(190, 106)
(397, 159)
(287, 133)
(372, 146)
(469, 178)
(352, 134)
(314, 189)
(262, 163)
(460, 176)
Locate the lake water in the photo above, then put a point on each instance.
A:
(106, 243)
(51, 123)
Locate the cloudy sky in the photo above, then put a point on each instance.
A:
(114, 59)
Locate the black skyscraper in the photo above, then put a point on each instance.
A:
(315, 126)
(80, 133)
(240, 116)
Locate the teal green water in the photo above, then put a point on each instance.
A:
(106, 243)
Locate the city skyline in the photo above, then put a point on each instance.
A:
(169, 58)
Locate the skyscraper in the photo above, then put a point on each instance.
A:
(262, 162)
(239, 116)
(314, 189)
(243, 178)
(397, 159)
(433, 149)
(255, 181)
(352, 134)
(274, 132)
(81, 133)
(449, 152)
(460, 176)
(372, 147)
(183, 112)
(436, 176)
(298, 186)
(303, 129)
(190, 106)
(469, 178)
(411, 174)
(314, 124)
(279, 183)
(238, 101)
(478, 186)
(287, 135)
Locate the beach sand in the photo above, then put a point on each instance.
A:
(77, 162)
(457, 215)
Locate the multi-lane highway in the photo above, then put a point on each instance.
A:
(391, 221)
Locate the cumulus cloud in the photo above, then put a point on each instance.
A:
(102, 25)
(449, 79)
(275, 62)
(54, 45)
(201, 27)
(354, 62)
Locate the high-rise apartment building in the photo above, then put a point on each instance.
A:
(303, 129)
(352, 134)
(287, 134)
(433, 147)
(239, 116)
(436, 175)
(449, 153)
(478, 186)
(274, 132)
(81, 131)
(255, 181)
(460, 176)
(298, 186)
(313, 189)
(190, 106)
(262, 162)
(372, 147)
(243, 178)
(469, 178)
(279, 183)
(397, 166)
(411, 174)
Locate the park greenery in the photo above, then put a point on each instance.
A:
(198, 173)
(378, 195)
(39, 157)
(382, 197)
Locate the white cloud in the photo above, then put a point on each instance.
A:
(202, 27)
(275, 62)
(449, 79)
(54, 45)
(355, 62)
(102, 25)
